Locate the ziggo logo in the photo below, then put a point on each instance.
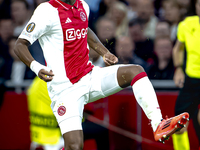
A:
(72, 34)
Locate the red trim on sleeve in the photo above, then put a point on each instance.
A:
(137, 77)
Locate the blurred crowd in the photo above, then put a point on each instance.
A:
(137, 31)
(140, 31)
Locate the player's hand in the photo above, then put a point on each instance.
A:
(179, 77)
(110, 59)
(45, 75)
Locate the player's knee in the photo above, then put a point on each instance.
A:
(135, 70)
(127, 73)
(75, 146)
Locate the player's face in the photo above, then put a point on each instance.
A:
(198, 7)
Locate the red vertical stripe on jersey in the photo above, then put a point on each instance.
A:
(74, 24)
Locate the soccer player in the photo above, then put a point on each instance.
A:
(61, 26)
(189, 97)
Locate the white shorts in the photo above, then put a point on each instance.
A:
(68, 105)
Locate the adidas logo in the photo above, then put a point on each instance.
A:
(68, 20)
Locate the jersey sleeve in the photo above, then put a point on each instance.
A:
(38, 25)
(180, 32)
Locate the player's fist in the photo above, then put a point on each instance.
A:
(110, 59)
(45, 75)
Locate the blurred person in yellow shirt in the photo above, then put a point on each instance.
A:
(45, 133)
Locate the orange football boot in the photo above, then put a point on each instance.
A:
(169, 126)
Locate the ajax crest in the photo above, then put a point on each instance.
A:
(61, 110)
(82, 16)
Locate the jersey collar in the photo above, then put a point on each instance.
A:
(76, 4)
(66, 6)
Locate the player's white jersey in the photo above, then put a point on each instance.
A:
(62, 33)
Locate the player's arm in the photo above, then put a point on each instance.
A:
(21, 50)
(178, 58)
(95, 44)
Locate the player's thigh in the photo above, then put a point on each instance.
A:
(104, 82)
(68, 111)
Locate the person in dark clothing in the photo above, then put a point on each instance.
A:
(163, 67)
(143, 45)
(166, 73)
(6, 32)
